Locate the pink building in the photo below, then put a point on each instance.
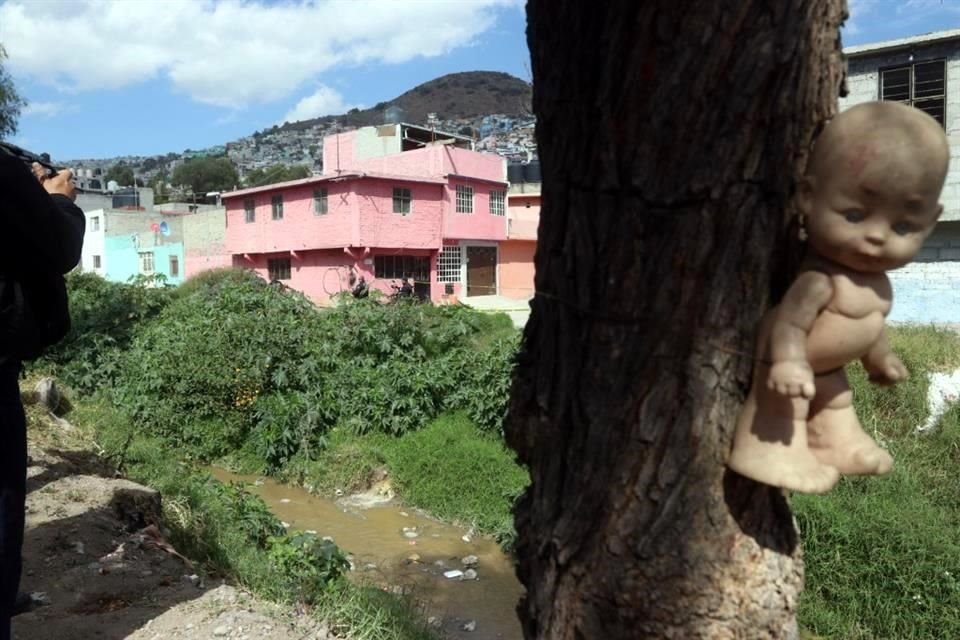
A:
(518, 250)
(393, 201)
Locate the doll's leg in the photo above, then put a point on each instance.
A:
(835, 435)
(770, 442)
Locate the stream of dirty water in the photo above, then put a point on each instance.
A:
(397, 547)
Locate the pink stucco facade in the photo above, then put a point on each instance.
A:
(360, 230)
(516, 268)
(523, 212)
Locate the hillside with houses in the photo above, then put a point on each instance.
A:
(492, 108)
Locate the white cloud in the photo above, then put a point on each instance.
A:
(322, 102)
(230, 53)
(45, 109)
(858, 9)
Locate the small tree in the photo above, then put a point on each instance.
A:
(122, 173)
(276, 173)
(206, 174)
(10, 101)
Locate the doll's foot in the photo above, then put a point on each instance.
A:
(789, 466)
(837, 439)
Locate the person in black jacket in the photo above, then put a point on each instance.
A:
(40, 240)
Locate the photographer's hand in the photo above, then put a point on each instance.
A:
(61, 183)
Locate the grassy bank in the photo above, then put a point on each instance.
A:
(233, 534)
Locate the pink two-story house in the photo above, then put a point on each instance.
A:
(393, 201)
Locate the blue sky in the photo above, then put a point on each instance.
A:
(116, 77)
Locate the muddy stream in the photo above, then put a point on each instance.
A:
(402, 548)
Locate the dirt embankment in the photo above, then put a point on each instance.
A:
(96, 558)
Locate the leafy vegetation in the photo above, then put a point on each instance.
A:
(203, 175)
(10, 100)
(276, 173)
(122, 173)
(457, 474)
(233, 364)
(104, 317)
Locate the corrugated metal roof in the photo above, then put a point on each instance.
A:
(902, 43)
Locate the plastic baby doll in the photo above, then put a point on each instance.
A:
(869, 199)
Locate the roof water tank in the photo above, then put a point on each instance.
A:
(515, 173)
(531, 172)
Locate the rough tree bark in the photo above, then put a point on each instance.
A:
(671, 133)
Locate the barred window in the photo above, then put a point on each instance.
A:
(249, 210)
(276, 204)
(498, 203)
(146, 263)
(278, 269)
(921, 85)
(320, 202)
(387, 267)
(401, 200)
(464, 199)
(448, 264)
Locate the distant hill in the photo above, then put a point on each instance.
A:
(455, 95)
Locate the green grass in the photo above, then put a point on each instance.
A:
(883, 554)
(368, 613)
(349, 463)
(452, 470)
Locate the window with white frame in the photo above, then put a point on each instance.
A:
(464, 199)
(95, 223)
(276, 206)
(448, 264)
(174, 267)
(320, 206)
(249, 210)
(96, 262)
(402, 201)
(498, 203)
(146, 263)
(921, 85)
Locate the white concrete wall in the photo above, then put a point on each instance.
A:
(93, 244)
(927, 290)
(863, 83)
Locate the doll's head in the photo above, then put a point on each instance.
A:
(872, 189)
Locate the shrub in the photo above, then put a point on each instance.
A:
(104, 318)
(455, 472)
(310, 564)
(210, 281)
(207, 359)
(288, 424)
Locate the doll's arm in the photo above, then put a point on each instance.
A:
(790, 372)
(883, 366)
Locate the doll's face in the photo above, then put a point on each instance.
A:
(873, 212)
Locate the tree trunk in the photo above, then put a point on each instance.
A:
(671, 134)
